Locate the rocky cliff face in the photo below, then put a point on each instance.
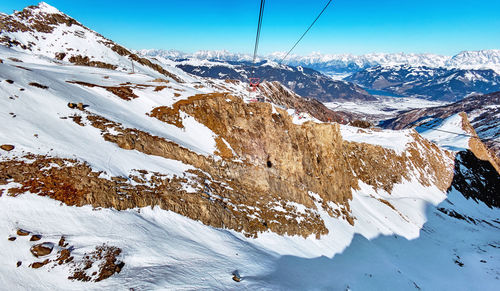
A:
(264, 162)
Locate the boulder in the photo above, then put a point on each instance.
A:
(22, 232)
(35, 237)
(7, 147)
(37, 265)
(40, 250)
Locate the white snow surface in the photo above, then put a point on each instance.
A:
(383, 107)
(163, 250)
(390, 139)
(447, 133)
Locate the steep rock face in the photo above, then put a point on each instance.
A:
(266, 163)
(288, 160)
(476, 178)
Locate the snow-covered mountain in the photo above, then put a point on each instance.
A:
(349, 63)
(125, 172)
(430, 83)
(304, 81)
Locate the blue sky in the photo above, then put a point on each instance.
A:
(348, 26)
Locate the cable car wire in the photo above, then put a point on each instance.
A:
(307, 30)
(456, 133)
(259, 26)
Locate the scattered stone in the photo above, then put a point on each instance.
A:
(19, 263)
(80, 106)
(12, 238)
(64, 257)
(106, 257)
(160, 80)
(42, 249)
(9, 81)
(7, 147)
(62, 242)
(236, 276)
(35, 237)
(60, 56)
(72, 105)
(21, 89)
(37, 265)
(22, 232)
(35, 84)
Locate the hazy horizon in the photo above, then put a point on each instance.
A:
(347, 27)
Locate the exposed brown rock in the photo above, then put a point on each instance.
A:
(62, 242)
(15, 60)
(19, 263)
(37, 265)
(85, 61)
(64, 257)
(160, 80)
(12, 238)
(125, 92)
(9, 81)
(361, 123)
(36, 237)
(106, 257)
(159, 88)
(40, 250)
(60, 56)
(35, 84)
(7, 147)
(22, 232)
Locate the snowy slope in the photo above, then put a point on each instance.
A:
(407, 244)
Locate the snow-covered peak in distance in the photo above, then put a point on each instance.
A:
(483, 59)
(475, 58)
(46, 8)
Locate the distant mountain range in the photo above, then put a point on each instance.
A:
(303, 81)
(349, 63)
(444, 84)
(428, 76)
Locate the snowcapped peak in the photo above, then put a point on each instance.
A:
(46, 8)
